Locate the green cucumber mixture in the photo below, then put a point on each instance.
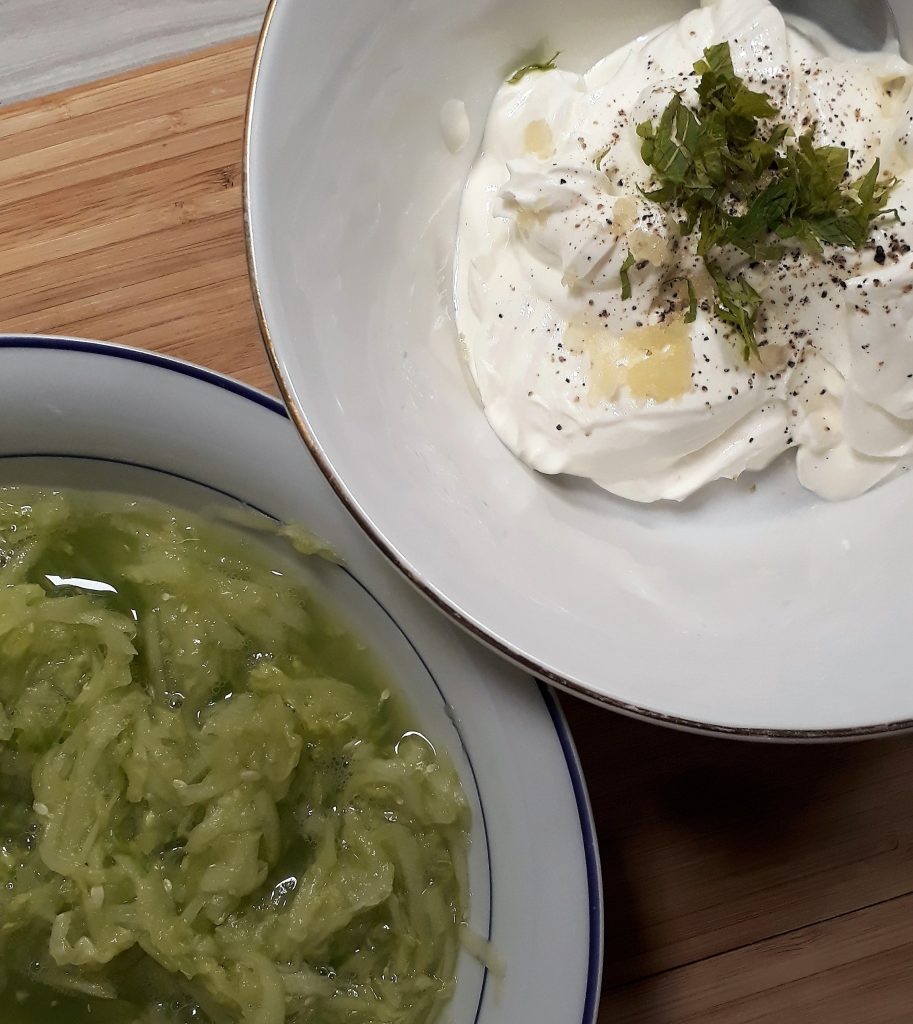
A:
(213, 810)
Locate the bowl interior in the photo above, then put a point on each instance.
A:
(753, 606)
(112, 419)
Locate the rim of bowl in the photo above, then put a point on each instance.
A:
(588, 837)
(507, 650)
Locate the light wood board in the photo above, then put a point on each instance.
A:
(742, 883)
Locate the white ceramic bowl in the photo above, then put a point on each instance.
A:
(756, 612)
(77, 413)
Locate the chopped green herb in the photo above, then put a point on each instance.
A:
(741, 179)
(625, 275)
(691, 316)
(737, 303)
(528, 69)
(600, 156)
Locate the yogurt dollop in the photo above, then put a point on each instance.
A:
(576, 379)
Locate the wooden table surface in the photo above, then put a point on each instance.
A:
(742, 883)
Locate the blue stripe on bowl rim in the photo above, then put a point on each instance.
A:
(112, 350)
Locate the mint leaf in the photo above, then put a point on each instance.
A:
(529, 69)
(625, 275)
(691, 315)
(740, 178)
(737, 304)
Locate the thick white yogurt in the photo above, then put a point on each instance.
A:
(574, 379)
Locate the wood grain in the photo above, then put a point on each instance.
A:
(742, 883)
(751, 882)
(120, 206)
